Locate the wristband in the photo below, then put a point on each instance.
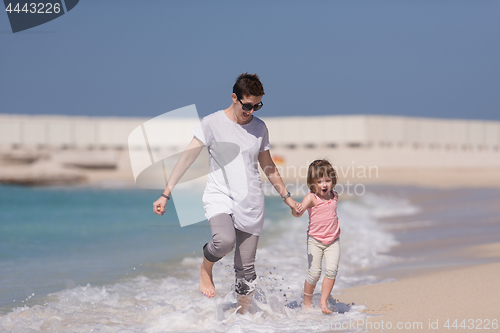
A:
(286, 196)
(166, 196)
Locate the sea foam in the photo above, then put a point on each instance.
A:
(174, 304)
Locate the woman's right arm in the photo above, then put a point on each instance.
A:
(187, 158)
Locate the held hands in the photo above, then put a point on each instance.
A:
(294, 206)
(297, 210)
(160, 206)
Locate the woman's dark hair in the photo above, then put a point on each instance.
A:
(248, 85)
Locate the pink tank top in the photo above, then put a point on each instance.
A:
(323, 221)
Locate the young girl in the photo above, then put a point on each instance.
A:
(323, 232)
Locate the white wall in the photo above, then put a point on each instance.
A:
(59, 131)
(385, 131)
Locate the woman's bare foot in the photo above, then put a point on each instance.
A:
(207, 287)
(324, 308)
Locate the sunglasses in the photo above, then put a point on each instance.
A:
(248, 107)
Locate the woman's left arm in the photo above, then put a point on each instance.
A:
(272, 173)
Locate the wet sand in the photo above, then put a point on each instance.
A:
(447, 269)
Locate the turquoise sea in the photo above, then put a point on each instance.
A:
(79, 259)
(55, 238)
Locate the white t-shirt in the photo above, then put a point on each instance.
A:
(233, 183)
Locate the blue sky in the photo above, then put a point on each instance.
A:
(144, 58)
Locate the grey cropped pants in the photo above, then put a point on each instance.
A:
(225, 237)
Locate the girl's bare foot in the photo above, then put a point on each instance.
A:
(308, 294)
(307, 300)
(324, 308)
(326, 289)
(207, 287)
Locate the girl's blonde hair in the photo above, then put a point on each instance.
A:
(319, 169)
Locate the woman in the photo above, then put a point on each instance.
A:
(233, 199)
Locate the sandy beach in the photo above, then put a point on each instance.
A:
(447, 276)
(100, 102)
(438, 168)
(461, 299)
(368, 165)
